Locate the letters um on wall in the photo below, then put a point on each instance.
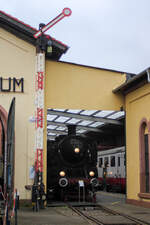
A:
(11, 84)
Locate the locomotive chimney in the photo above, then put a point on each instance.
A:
(71, 129)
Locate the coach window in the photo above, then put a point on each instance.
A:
(118, 161)
(106, 162)
(112, 159)
(100, 162)
(144, 138)
(124, 160)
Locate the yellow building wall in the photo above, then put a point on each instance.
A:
(137, 107)
(69, 86)
(66, 86)
(79, 87)
(17, 59)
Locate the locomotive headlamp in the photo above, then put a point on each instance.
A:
(76, 150)
(91, 173)
(62, 173)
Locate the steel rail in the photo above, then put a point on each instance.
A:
(87, 218)
(110, 211)
(138, 221)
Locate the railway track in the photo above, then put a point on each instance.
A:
(105, 216)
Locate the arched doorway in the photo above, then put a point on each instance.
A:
(144, 156)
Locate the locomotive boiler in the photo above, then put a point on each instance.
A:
(71, 168)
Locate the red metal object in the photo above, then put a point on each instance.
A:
(40, 80)
(114, 182)
(40, 92)
(39, 160)
(40, 117)
(65, 12)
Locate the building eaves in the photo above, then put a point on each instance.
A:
(26, 32)
(134, 83)
(98, 68)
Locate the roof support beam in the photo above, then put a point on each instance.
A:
(83, 117)
(56, 132)
(51, 137)
(77, 126)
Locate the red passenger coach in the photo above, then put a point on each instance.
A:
(111, 169)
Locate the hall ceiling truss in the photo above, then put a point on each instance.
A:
(85, 121)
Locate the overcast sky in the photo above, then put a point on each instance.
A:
(112, 34)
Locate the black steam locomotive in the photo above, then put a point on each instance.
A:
(71, 168)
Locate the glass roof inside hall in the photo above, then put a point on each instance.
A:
(85, 120)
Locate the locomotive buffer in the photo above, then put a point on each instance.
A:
(42, 44)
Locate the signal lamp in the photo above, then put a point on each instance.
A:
(62, 173)
(91, 173)
(76, 150)
(49, 49)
